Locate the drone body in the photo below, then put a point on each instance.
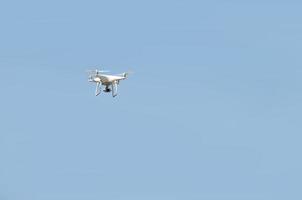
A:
(109, 81)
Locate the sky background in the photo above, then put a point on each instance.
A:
(213, 110)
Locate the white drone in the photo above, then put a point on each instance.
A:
(109, 81)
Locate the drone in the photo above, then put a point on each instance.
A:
(109, 81)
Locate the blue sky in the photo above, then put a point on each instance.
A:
(213, 110)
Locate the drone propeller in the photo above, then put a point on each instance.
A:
(130, 72)
(96, 71)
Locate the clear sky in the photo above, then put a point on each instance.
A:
(213, 110)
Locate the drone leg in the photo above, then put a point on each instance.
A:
(114, 89)
(98, 89)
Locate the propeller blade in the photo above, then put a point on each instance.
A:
(96, 71)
